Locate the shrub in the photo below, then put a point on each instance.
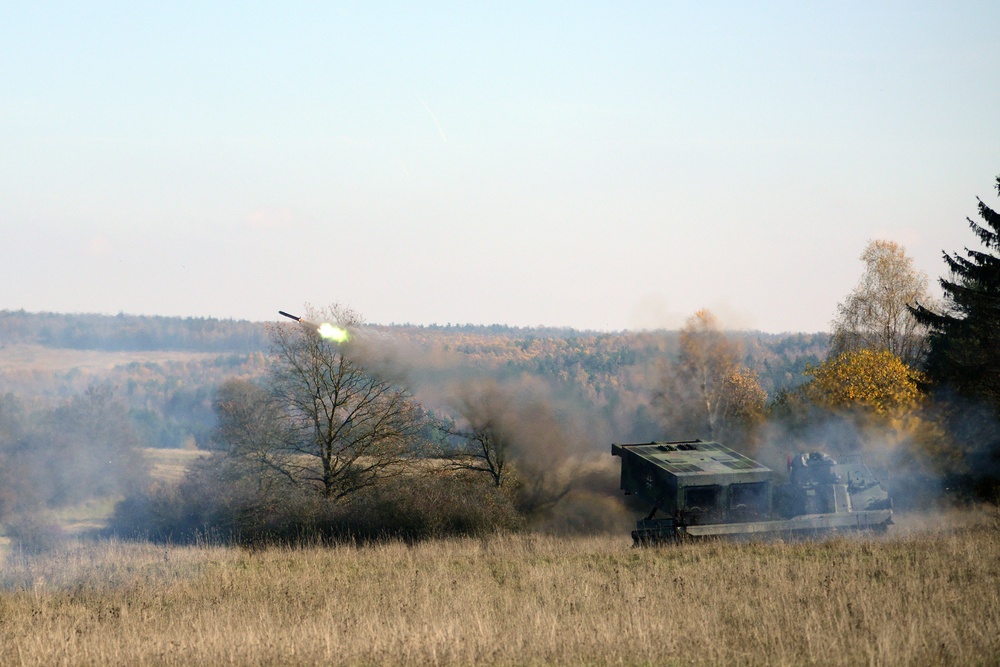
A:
(31, 533)
(216, 503)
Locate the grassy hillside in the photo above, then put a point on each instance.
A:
(924, 596)
(43, 360)
(169, 465)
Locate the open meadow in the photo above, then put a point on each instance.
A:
(928, 593)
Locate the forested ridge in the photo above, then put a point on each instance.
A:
(170, 400)
(130, 332)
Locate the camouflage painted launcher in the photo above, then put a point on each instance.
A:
(704, 488)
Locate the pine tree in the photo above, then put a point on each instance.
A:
(964, 359)
(965, 339)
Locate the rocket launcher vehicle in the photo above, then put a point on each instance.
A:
(703, 489)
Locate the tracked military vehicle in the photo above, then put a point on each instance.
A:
(703, 489)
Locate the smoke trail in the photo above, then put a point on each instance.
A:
(436, 123)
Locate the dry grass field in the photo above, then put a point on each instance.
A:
(923, 595)
(169, 465)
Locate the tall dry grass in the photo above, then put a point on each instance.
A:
(923, 596)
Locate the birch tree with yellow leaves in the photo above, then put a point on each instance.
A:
(871, 380)
(707, 392)
(881, 396)
(877, 313)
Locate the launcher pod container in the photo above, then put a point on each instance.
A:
(701, 489)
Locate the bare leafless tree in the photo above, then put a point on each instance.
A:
(484, 442)
(516, 438)
(344, 426)
(249, 428)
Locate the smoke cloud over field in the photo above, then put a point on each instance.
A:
(910, 457)
(558, 443)
(555, 444)
(81, 450)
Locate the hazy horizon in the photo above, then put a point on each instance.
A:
(431, 325)
(593, 166)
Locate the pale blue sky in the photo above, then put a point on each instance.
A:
(596, 165)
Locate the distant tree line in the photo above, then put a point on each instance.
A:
(130, 332)
(606, 376)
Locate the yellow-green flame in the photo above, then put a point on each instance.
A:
(330, 332)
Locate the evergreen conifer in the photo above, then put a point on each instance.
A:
(963, 364)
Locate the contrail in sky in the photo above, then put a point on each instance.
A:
(434, 118)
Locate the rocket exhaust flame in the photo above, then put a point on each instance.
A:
(330, 332)
(325, 330)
